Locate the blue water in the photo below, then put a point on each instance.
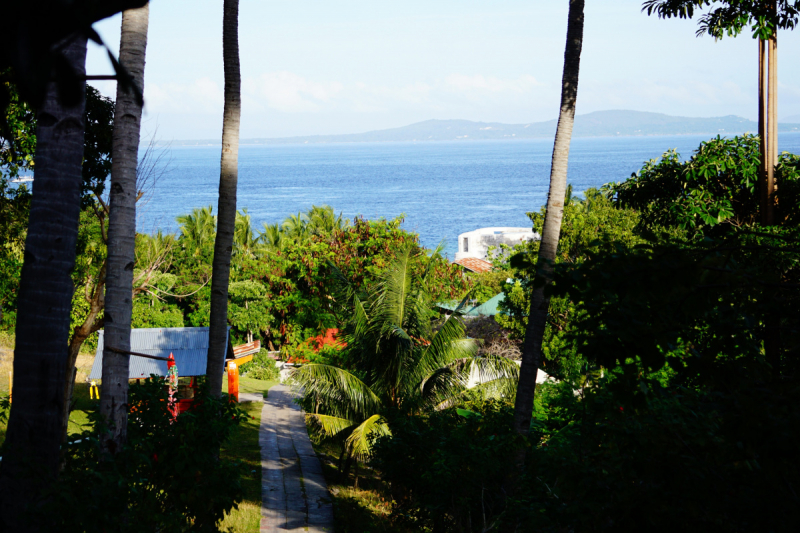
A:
(442, 188)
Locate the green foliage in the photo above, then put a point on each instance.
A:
(633, 455)
(198, 230)
(97, 143)
(261, 367)
(17, 146)
(712, 302)
(153, 313)
(732, 16)
(394, 361)
(714, 190)
(590, 226)
(449, 470)
(18, 139)
(168, 477)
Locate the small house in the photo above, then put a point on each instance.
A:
(189, 346)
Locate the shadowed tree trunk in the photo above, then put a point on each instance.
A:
(537, 317)
(226, 210)
(122, 229)
(31, 450)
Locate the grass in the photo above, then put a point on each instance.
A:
(250, 385)
(243, 448)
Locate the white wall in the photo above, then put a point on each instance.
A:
(476, 243)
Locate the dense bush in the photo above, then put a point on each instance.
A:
(262, 367)
(449, 471)
(168, 476)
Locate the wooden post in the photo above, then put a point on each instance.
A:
(233, 381)
(10, 384)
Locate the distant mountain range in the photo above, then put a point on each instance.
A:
(597, 124)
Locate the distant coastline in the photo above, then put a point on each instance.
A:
(615, 123)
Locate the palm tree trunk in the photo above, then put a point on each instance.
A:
(122, 229)
(226, 209)
(763, 111)
(537, 317)
(31, 450)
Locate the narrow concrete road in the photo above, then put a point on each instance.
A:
(294, 495)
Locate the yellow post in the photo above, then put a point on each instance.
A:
(94, 393)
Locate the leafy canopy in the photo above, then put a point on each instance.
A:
(730, 17)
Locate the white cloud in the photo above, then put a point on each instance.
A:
(461, 83)
(201, 96)
(289, 92)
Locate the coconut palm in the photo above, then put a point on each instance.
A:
(271, 237)
(198, 229)
(122, 228)
(228, 179)
(243, 238)
(537, 316)
(296, 226)
(405, 364)
(323, 220)
(31, 447)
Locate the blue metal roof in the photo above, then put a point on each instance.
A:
(189, 346)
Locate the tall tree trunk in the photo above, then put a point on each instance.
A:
(31, 451)
(763, 132)
(226, 209)
(79, 335)
(122, 229)
(537, 317)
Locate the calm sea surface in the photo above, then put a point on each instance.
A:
(442, 188)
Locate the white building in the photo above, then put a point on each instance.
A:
(476, 243)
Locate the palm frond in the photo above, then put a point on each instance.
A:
(492, 367)
(359, 443)
(396, 282)
(340, 392)
(447, 345)
(437, 252)
(330, 426)
(444, 383)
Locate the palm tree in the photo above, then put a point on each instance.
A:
(228, 178)
(272, 236)
(323, 220)
(198, 229)
(537, 316)
(122, 230)
(406, 364)
(296, 226)
(243, 236)
(31, 448)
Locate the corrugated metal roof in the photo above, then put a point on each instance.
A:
(489, 308)
(189, 346)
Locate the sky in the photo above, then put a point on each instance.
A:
(321, 67)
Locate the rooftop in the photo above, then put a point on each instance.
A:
(473, 264)
(188, 345)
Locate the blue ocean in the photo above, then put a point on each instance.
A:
(440, 188)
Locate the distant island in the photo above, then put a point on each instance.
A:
(598, 124)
